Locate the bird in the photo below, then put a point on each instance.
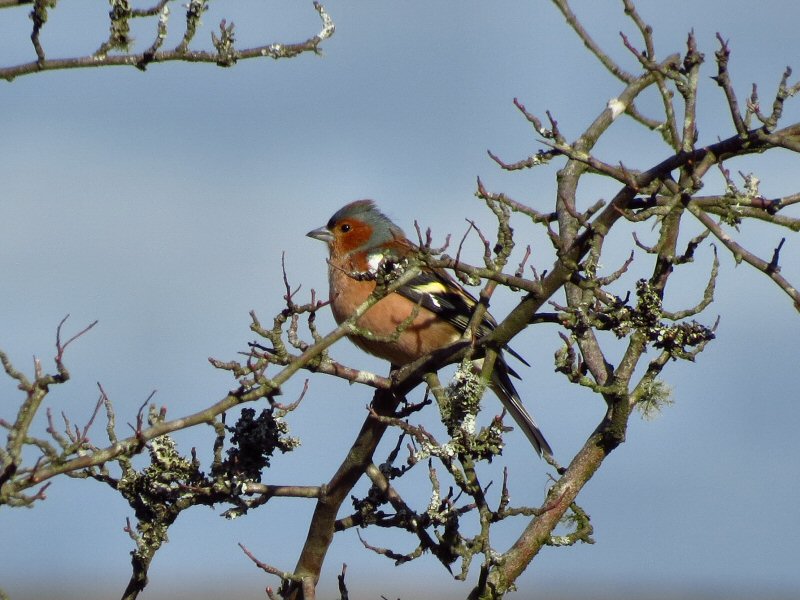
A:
(360, 238)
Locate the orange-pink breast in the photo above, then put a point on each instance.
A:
(425, 334)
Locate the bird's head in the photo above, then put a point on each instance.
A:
(357, 226)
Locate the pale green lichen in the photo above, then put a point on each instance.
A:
(656, 395)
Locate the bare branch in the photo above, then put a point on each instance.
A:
(224, 55)
(572, 21)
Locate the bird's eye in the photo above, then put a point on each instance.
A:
(345, 227)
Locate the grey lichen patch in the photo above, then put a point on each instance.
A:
(119, 36)
(459, 414)
(463, 394)
(647, 316)
(224, 44)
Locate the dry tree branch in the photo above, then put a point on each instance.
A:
(135, 443)
(724, 81)
(770, 269)
(13, 3)
(35, 392)
(647, 59)
(594, 48)
(225, 53)
(693, 164)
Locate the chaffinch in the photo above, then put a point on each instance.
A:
(360, 237)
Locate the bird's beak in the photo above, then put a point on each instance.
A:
(322, 234)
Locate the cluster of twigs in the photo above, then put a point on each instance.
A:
(118, 48)
(609, 324)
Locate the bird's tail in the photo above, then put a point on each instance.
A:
(503, 387)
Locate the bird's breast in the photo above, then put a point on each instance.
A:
(395, 328)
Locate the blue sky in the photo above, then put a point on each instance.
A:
(159, 204)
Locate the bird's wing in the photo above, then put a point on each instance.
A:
(441, 294)
(437, 291)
